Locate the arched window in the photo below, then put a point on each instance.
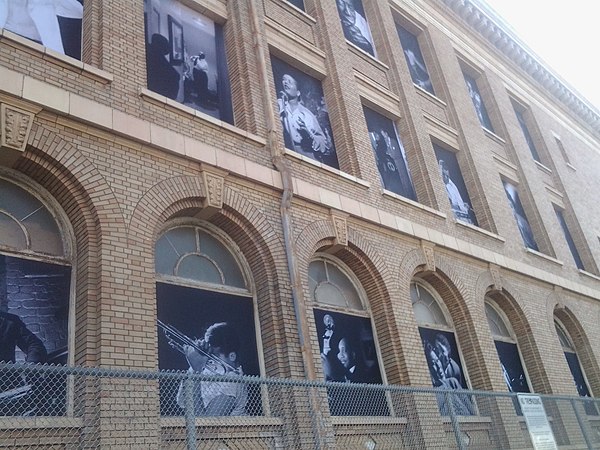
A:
(508, 350)
(204, 294)
(440, 346)
(35, 292)
(347, 343)
(577, 372)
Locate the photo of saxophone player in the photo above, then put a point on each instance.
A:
(216, 354)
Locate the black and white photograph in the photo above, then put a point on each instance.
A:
(414, 59)
(210, 333)
(389, 154)
(55, 24)
(354, 24)
(185, 58)
(512, 368)
(303, 113)
(446, 370)
(480, 108)
(455, 185)
(34, 328)
(516, 206)
(349, 355)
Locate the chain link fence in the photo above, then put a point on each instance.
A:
(58, 407)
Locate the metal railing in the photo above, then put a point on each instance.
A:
(71, 407)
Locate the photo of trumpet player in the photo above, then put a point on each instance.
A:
(208, 333)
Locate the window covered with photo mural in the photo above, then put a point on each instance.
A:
(54, 24)
(206, 324)
(414, 59)
(35, 289)
(347, 343)
(389, 154)
(303, 113)
(185, 58)
(441, 350)
(354, 24)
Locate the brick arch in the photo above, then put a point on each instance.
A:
(253, 234)
(93, 213)
(585, 352)
(467, 321)
(375, 278)
(509, 301)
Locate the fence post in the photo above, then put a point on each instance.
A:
(190, 411)
(581, 425)
(454, 419)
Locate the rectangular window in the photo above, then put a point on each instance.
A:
(455, 185)
(303, 113)
(355, 25)
(530, 143)
(478, 103)
(569, 238)
(185, 58)
(34, 328)
(414, 59)
(519, 213)
(55, 27)
(390, 155)
(349, 355)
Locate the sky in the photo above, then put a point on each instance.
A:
(565, 35)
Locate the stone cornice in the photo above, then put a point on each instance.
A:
(484, 21)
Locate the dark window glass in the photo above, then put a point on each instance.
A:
(297, 3)
(390, 155)
(414, 59)
(303, 113)
(528, 137)
(355, 26)
(512, 369)
(185, 58)
(480, 108)
(517, 208)
(349, 355)
(455, 185)
(569, 238)
(580, 383)
(446, 370)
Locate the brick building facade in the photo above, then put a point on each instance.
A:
(118, 166)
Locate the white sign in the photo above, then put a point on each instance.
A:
(537, 422)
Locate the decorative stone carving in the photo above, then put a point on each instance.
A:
(341, 230)
(213, 186)
(15, 126)
(496, 278)
(429, 252)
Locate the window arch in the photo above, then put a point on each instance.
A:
(35, 291)
(570, 352)
(507, 348)
(204, 294)
(347, 342)
(440, 347)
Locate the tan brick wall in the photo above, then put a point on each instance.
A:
(119, 185)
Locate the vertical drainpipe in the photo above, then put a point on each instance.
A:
(283, 166)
